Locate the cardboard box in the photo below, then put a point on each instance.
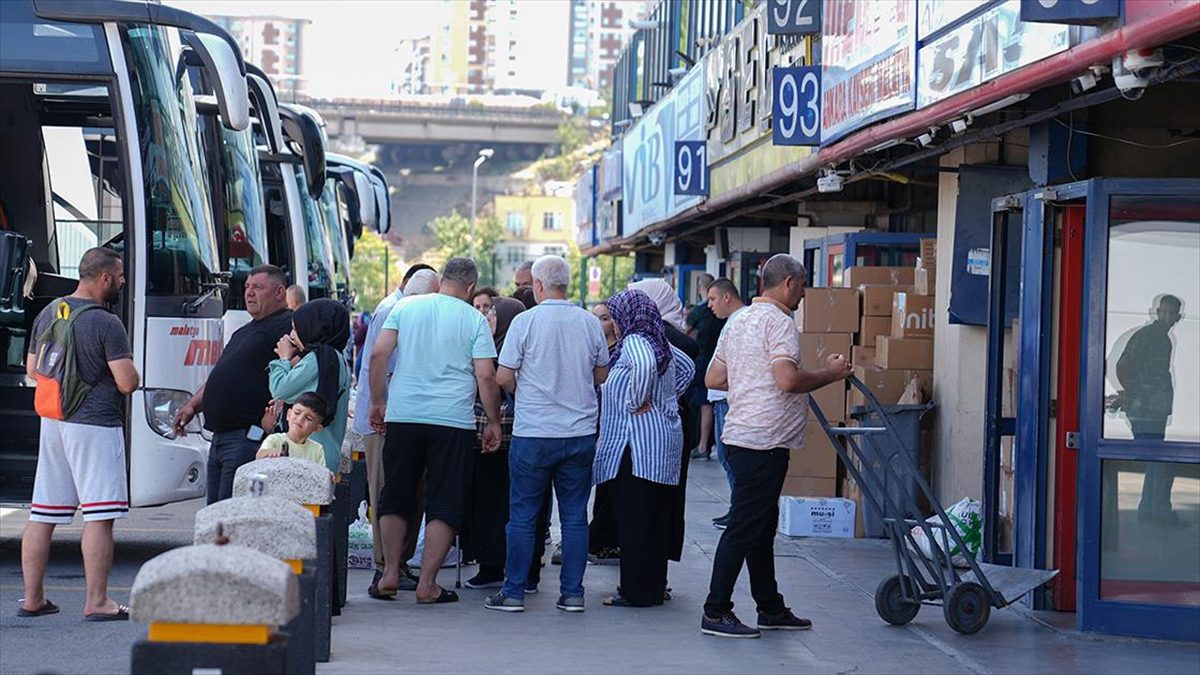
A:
(831, 399)
(887, 385)
(862, 356)
(805, 516)
(816, 347)
(896, 353)
(871, 327)
(877, 300)
(912, 315)
(851, 491)
(856, 276)
(816, 458)
(928, 253)
(829, 310)
(808, 486)
(925, 282)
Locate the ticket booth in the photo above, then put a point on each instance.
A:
(1107, 423)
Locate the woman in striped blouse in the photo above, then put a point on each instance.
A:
(641, 444)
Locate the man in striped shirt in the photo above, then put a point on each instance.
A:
(758, 362)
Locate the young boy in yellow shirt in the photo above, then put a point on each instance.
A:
(304, 420)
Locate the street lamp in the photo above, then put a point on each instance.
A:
(484, 154)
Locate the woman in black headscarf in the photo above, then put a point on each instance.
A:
(310, 359)
(487, 512)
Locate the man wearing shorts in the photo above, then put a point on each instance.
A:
(444, 350)
(81, 460)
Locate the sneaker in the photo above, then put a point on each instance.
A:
(556, 557)
(531, 589)
(482, 580)
(502, 603)
(727, 626)
(784, 620)
(722, 522)
(573, 603)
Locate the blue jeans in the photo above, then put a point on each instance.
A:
(533, 464)
(229, 450)
(720, 409)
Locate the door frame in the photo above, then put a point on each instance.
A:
(1095, 614)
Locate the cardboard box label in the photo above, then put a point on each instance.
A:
(877, 300)
(856, 276)
(912, 316)
(819, 517)
(904, 353)
(928, 253)
(829, 310)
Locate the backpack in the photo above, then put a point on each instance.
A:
(60, 389)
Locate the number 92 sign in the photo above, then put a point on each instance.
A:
(796, 114)
(691, 167)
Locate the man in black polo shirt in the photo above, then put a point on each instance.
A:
(236, 393)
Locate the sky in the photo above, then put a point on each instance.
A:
(350, 43)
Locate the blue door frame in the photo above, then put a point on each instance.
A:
(1095, 614)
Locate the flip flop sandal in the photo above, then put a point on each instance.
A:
(47, 608)
(445, 597)
(374, 592)
(121, 615)
(617, 600)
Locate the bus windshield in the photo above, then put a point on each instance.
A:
(182, 245)
(240, 209)
(337, 235)
(320, 249)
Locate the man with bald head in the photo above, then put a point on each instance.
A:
(757, 361)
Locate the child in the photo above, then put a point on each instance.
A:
(304, 420)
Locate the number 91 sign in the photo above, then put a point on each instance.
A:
(691, 167)
(796, 117)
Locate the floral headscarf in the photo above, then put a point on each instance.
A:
(636, 314)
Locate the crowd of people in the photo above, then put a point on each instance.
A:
(475, 410)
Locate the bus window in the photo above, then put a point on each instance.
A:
(240, 214)
(182, 250)
(320, 249)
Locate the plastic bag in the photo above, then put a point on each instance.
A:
(360, 555)
(966, 518)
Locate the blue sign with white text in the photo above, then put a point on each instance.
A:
(796, 113)
(691, 167)
(1070, 11)
(794, 17)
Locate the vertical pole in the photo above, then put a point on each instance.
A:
(474, 179)
(583, 281)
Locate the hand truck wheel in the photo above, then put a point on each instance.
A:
(890, 602)
(967, 607)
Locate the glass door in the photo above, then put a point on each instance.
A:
(1139, 462)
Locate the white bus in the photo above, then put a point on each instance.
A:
(99, 145)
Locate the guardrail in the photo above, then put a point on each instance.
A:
(462, 111)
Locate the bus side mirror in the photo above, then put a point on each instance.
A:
(222, 65)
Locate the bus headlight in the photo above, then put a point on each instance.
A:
(162, 405)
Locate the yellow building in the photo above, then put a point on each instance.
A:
(450, 55)
(533, 226)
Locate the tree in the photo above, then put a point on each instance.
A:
(367, 270)
(615, 272)
(453, 236)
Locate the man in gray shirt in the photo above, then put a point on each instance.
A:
(553, 358)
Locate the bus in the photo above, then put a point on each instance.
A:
(101, 148)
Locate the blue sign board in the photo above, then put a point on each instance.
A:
(793, 17)
(796, 113)
(1070, 11)
(691, 167)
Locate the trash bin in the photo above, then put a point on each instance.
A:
(900, 484)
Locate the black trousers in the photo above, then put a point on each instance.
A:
(644, 513)
(485, 539)
(750, 536)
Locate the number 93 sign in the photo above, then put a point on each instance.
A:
(691, 167)
(796, 117)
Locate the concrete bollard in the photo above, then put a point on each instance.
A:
(310, 485)
(285, 531)
(342, 510)
(213, 608)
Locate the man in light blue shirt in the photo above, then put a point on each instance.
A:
(372, 441)
(553, 358)
(444, 351)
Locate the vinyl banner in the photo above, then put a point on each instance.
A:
(869, 52)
